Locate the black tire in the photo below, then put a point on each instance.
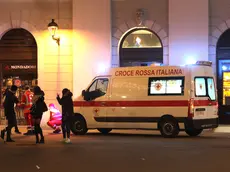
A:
(169, 128)
(104, 130)
(79, 126)
(193, 132)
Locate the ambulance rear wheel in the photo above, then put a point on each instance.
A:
(104, 130)
(169, 128)
(193, 132)
(79, 126)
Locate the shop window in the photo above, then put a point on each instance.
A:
(226, 88)
(166, 86)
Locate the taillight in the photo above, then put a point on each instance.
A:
(191, 108)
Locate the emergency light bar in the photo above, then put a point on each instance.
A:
(156, 64)
(204, 63)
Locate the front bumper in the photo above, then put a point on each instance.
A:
(202, 123)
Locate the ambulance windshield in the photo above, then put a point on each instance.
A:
(205, 87)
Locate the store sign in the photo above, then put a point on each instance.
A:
(20, 67)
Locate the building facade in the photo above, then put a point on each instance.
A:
(95, 36)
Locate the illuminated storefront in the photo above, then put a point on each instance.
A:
(18, 65)
(223, 75)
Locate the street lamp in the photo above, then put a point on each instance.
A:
(53, 27)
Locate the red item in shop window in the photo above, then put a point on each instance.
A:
(17, 82)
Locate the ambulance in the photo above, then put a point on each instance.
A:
(165, 98)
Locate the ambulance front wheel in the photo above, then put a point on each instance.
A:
(79, 126)
(193, 132)
(169, 128)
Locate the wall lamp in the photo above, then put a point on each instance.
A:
(53, 27)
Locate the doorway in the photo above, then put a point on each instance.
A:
(223, 76)
(18, 64)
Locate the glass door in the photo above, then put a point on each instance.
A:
(226, 88)
(223, 87)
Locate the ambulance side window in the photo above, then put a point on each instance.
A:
(166, 86)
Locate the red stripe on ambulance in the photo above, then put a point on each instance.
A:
(156, 103)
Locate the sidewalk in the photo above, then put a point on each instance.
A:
(222, 129)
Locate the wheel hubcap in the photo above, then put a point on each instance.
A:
(78, 126)
(168, 128)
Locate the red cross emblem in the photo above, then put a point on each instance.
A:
(211, 86)
(96, 110)
(158, 86)
(200, 86)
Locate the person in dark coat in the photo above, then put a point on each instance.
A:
(16, 125)
(39, 108)
(67, 112)
(10, 101)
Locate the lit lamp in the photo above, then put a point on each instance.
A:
(53, 27)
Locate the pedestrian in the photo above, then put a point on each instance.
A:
(67, 112)
(9, 103)
(55, 118)
(37, 110)
(16, 130)
(26, 104)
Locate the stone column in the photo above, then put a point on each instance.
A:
(91, 41)
(188, 31)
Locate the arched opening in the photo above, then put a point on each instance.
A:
(223, 76)
(140, 47)
(18, 62)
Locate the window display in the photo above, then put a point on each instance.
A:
(226, 88)
(21, 76)
(6, 84)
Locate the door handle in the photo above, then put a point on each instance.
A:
(210, 104)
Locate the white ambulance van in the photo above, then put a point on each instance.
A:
(165, 98)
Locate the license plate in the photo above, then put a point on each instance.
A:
(200, 113)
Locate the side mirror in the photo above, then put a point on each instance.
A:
(83, 93)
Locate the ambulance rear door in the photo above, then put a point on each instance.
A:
(205, 97)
